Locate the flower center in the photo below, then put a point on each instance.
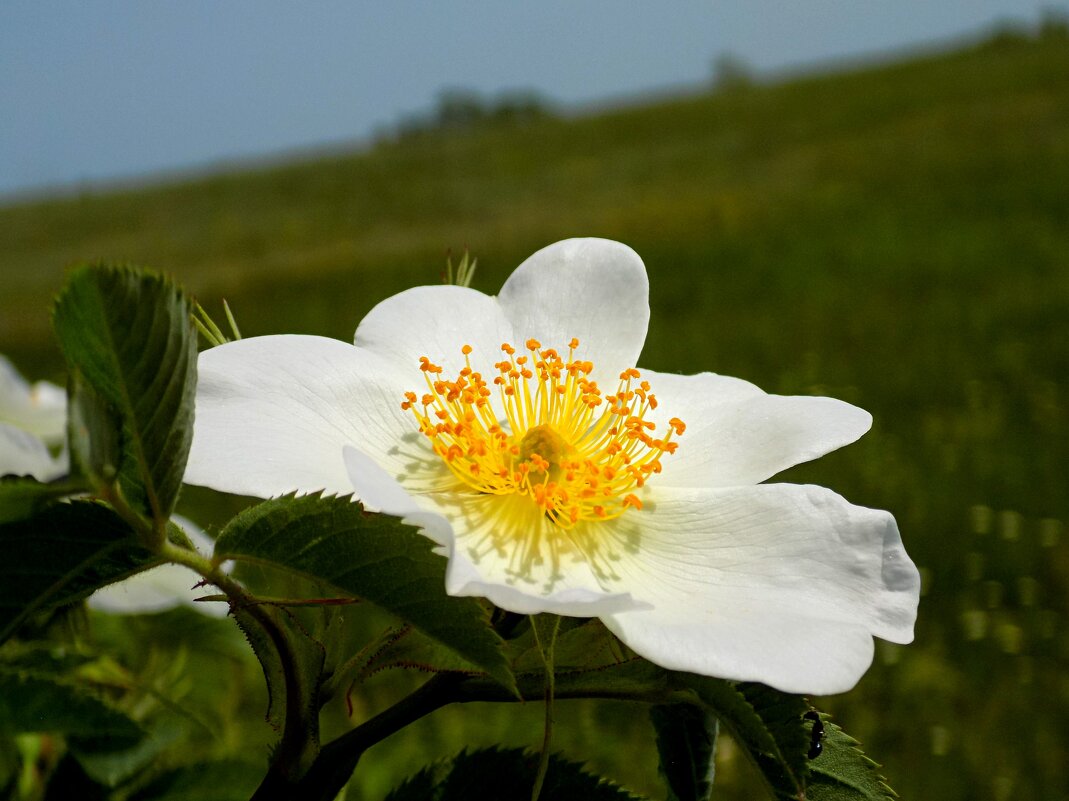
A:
(576, 453)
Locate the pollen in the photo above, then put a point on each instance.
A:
(543, 429)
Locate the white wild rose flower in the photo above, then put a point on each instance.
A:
(31, 419)
(35, 417)
(516, 432)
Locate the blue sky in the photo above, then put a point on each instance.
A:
(115, 89)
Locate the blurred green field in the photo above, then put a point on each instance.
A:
(896, 236)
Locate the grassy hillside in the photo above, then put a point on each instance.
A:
(897, 237)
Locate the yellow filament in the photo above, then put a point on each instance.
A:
(577, 453)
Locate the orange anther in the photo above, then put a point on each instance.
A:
(603, 455)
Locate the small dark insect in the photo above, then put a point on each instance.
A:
(815, 744)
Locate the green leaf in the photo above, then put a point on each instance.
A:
(407, 647)
(635, 679)
(843, 773)
(94, 431)
(783, 715)
(111, 761)
(132, 353)
(369, 556)
(545, 628)
(686, 744)
(505, 775)
(22, 496)
(61, 555)
(767, 724)
(43, 657)
(580, 643)
(39, 703)
(269, 631)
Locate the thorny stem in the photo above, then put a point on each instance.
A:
(286, 757)
(335, 764)
(337, 760)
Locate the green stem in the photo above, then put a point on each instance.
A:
(550, 637)
(208, 570)
(286, 758)
(336, 762)
(153, 534)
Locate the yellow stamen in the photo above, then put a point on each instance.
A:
(577, 453)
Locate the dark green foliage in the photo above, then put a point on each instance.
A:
(766, 723)
(635, 678)
(843, 773)
(31, 702)
(505, 775)
(581, 644)
(269, 631)
(406, 647)
(95, 433)
(781, 714)
(373, 557)
(61, 555)
(112, 761)
(22, 496)
(131, 352)
(686, 744)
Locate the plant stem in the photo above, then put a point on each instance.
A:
(334, 766)
(336, 762)
(286, 758)
(546, 639)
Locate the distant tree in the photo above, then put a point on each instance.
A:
(460, 109)
(1054, 24)
(731, 72)
(519, 107)
(1007, 33)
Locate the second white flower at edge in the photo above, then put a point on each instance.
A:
(461, 412)
(32, 418)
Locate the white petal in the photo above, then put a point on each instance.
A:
(737, 435)
(23, 454)
(481, 536)
(380, 492)
(40, 409)
(779, 583)
(436, 322)
(592, 289)
(506, 551)
(273, 414)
